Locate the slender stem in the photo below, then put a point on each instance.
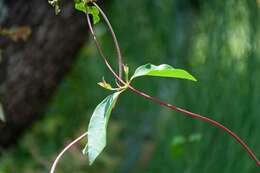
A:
(118, 50)
(197, 116)
(101, 51)
(172, 107)
(53, 167)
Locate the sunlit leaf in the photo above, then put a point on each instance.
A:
(80, 6)
(105, 85)
(83, 7)
(163, 70)
(97, 127)
(95, 13)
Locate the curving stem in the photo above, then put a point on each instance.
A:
(53, 167)
(118, 50)
(155, 100)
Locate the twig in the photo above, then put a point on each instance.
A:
(155, 100)
(118, 50)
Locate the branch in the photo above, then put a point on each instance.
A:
(118, 50)
(155, 100)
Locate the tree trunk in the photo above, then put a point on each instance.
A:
(31, 70)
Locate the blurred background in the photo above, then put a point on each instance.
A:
(216, 41)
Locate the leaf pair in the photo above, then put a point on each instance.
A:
(98, 123)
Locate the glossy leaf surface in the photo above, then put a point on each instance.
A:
(98, 126)
(163, 70)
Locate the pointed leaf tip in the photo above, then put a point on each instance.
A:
(97, 127)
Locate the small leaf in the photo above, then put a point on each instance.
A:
(83, 7)
(163, 70)
(95, 13)
(2, 115)
(97, 127)
(80, 6)
(105, 85)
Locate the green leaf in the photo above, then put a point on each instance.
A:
(95, 13)
(163, 70)
(97, 127)
(80, 6)
(83, 7)
(105, 85)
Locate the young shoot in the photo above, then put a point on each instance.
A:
(97, 128)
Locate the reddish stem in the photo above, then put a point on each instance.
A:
(193, 115)
(172, 107)
(118, 50)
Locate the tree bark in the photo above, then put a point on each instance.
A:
(31, 70)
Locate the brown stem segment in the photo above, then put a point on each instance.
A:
(167, 105)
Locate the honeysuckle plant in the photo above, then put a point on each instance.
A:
(96, 133)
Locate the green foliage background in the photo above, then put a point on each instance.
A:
(217, 41)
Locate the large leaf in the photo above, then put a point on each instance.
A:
(97, 127)
(163, 70)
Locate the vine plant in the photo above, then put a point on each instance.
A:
(96, 133)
